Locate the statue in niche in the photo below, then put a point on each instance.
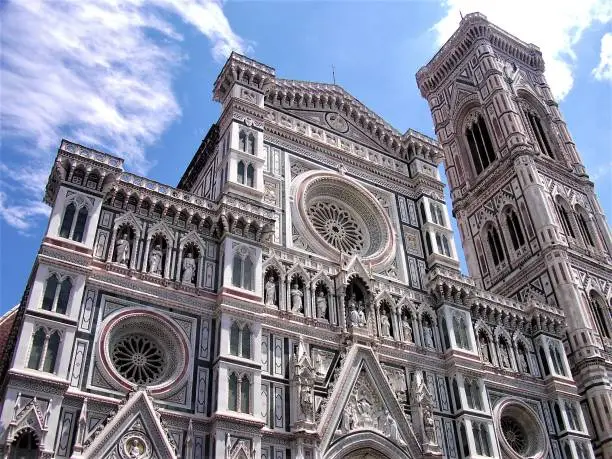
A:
(523, 365)
(189, 269)
(296, 298)
(306, 401)
(361, 313)
(460, 329)
(385, 325)
(122, 249)
(270, 292)
(321, 305)
(353, 315)
(155, 260)
(349, 418)
(504, 355)
(428, 335)
(407, 329)
(319, 363)
(484, 349)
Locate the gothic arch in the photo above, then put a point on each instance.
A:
(406, 304)
(193, 238)
(366, 441)
(274, 263)
(130, 220)
(384, 296)
(322, 277)
(426, 310)
(161, 229)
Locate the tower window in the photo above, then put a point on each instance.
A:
(239, 394)
(565, 219)
(443, 245)
(538, 132)
(73, 222)
(56, 295)
(242, 271)
(480, 145)
(514, 228)
(584, 229)
(600, 311)
(250, 176)
(241, 172)
(240, 341)
(495, 246)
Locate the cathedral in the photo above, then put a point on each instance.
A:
(298, 295)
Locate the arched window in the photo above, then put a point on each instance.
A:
(472, 394)
(51, 354)
(245, 345)
(600, 314)
(36, 351)
(78, 175)
(242, 271)
(423, 215)
(544, 362)
(514, 228)
(56, 295)
(234, 339)
(538, 132)
(232, 402)
(93, 180)
(572, 416)
(25, 446)
(565, 219)
(437, 215)
(250, 176)
(240, 174)
(456, 394)
(79, 227)
(480, 145)
(495, 246)
(465, 445)
(67, 220)
(251, 144)
(242, 141)
(443, 245)
(584, 229)
(428, 243)
(481, 439)
(44, 350)
(245, 395)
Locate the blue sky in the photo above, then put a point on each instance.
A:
(136, 80)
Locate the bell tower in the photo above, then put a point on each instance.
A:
(529, 219)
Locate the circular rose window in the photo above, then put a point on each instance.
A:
(522, 433)
(337, 216)
(143, 348)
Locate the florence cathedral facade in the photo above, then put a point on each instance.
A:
(298, 296)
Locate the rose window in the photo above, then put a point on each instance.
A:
(139, 359)
(514, 435)
(144, 348)
(337, 226)
(520, 429)
(337, 216)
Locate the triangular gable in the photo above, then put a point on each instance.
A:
(129, 219)
(363, 387)
(136, 428)
(356, 266)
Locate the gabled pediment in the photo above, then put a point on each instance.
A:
(135, 431)
(362, 400)
(356, 266)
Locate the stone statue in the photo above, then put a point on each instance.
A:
(389, 426)
(189, 269)
(122, 249)
(270, 291)
(319, 364)
(407, 329)
(428, 336)
(503, 354)
(155, 260)
(353, 315)
(523, 365)
(306, 401)
(296, 298)
(460, 332)
(385, 325)
(321, 305)
(484, 349)
(361, 312)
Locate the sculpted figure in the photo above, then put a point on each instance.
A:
(428, 336)
(270, 291)
(122, 249)
(361, 312)
(385, 325)
(155, 260)
(523, 365)
(505, 358)
(484, 349)
(321, 305)
(296, 298)
(354, 316)
(189, 269)
(407, 329)
(306, 401)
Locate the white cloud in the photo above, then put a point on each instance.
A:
(604, 70)
(99, 72)
(555, 26)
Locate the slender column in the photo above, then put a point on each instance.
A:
(146, 255)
